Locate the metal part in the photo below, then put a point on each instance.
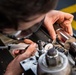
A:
(52, 58)
(32, 64)
(48, 46)
(63, 36)
(43, 46)
(69, 41)
(63, 68)
(20, 46)
(40, 44)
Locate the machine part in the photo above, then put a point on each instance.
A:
(32, 64)
(48, 46)
(44, 46)
(71, 59)
(65, 38)
(63, 68)
(41, 47)
(69, 42)
(52, 58)
(20, 46)
(72, 50)
(40, 44)
(62, 35)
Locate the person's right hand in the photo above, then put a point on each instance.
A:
(14, 67)
(18, 52)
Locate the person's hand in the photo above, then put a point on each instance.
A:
(62, 18)
(17, 52)
(14, 67)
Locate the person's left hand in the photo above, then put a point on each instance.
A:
(62, 18)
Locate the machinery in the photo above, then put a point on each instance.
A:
(56, 57)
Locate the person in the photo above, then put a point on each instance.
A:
(22, 15)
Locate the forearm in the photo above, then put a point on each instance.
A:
(8, 73)
(11, 73)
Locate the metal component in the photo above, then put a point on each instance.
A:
(40, 44)
(52, 58)
(65, 38)
(48, 46)
(20, 46)
(62, 35)
(41, 47)
(63, 68)
(72, 50)
(32, 64)
(69, 41)
(17, 33)
(52, 52)
(3, 47)
(71, 60)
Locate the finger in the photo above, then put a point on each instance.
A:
(67, 27)
(28, 41)
(16, 51)
(52, 32)
(68, 17)
(64, 16)
(70, 30)
(50, 28)
(30, 50)
(33, 53)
